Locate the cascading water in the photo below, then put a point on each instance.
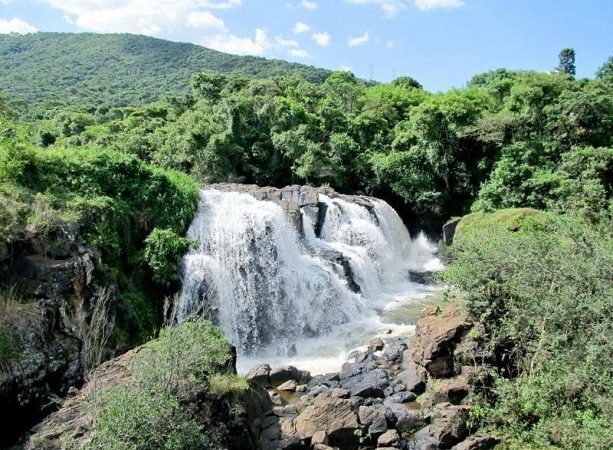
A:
(280, 292)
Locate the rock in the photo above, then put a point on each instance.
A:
(368, 384)
(279, 375)
(260, 374)
(289, 385)
(449, 229)
(452, 390)
(477, 442)
(413, 378)
(372, 418)
(333, 415)
(323, 447)
(339, 393)
(301, 388)
(388, 439)
(376, 344)
(405, 419)
(400, 397)
(342, 263)
(435, 339)
(319, 437)
(448, 427)
(393, 351)
(422, 277)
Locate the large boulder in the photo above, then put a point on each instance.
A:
(368, 384)
(436, 336)
(447, 428)
(333, 415)
(373, 418)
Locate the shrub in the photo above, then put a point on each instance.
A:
(222, 384)
(543, 293)
(162, 252)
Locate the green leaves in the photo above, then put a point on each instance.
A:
(163, 249)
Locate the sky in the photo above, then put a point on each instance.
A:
(441, 43)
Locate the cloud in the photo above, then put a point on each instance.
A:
(425, 5)
(307, 4)
(389, 7)
(322, 38)
(16, 25)
(358, 40)
(205, 20)
(299, 53)
(301, 27)
(282, 42)
(229, 43)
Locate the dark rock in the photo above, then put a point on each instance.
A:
(449, 230)
(368, 384)
(477, 442)
(400, 397)
(342, 265)
(353, 369)
(423, 277)
(413, 378)
(394, 350)
(448, 427)
(405, 419)
(452, 390)
(279, 375)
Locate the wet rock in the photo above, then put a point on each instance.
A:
(368, 384)
(342, 264)
(394, 350)
(388, 439)
(279, 375)
(376, 344)
(333, 415)
(260, 374)
(372, 418)
(349, 370)
(422, 277)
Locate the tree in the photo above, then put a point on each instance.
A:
(605, 72)
(567, 62)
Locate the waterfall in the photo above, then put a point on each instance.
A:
(269, 282)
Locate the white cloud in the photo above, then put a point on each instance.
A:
(282, 42)
(205, 20)
(16, 26)
(358, 40)
(299, 53)
(229, 43)
(322, 38)
(307, 4)
(301, 27)
(390, 7)
(425, 5)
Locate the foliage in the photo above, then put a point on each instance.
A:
(542, 290)
(150, 412)
(162, 252)
(102, 71)
(567, 62)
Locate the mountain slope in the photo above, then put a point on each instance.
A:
(120, 69)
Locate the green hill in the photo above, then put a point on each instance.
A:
(120, 69)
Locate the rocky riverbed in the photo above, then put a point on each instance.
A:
(395, 395)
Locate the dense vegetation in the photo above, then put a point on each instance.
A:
(124, 175)
(508, 139)
(108, 200)
(102, 71)
(541, 285)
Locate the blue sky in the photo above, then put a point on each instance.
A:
(441, 43)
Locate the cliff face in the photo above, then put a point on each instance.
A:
(49, 290)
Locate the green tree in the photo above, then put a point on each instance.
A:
(567, 62)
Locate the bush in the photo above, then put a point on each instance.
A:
(543, 293)
(162, 252)
(152, 411)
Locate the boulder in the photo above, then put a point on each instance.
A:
(447, 428)
(449, 229)
(333, 415)
(289, 385)
(368, 384)
(435, 339)
(279, 375)
(452, 390)
(477, 441)
(405, 419)
(376, 344)
(372, 418)
(400, 397)
(260, 374)
(413, 378)
(388, 439)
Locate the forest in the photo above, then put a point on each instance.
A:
(107, 163)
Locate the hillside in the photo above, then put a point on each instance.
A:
(117, 69)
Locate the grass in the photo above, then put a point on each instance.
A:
(222, 384)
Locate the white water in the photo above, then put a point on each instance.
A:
(272, 289)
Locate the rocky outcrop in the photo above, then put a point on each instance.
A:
(57, 283)
(392, 395)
